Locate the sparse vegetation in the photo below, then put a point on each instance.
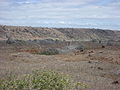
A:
(10, 40)
(90, 56)
(109, 43)
(80, 47)
(49, 52)
(93, 40)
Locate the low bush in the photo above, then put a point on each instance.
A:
(49, 52)
(38, 80)
(80, 47)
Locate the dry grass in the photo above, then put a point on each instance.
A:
(82, 67)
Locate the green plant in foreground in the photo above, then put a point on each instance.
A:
(50, 80)
(38, 80)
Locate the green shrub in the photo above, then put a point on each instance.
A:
(50, 52)
(38, 80)
(80, 47)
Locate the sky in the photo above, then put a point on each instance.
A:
(102, 14)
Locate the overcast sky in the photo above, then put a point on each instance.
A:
(61, 13)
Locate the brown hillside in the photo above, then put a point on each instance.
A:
(31, 33)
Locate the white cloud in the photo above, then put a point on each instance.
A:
(60, 12)
(115, 4)
(61, 22)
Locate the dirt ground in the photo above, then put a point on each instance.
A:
(98, 69)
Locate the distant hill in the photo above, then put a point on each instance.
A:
(74, 34)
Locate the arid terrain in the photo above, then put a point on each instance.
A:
(89, 56)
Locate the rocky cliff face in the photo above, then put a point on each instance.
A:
(31, 33)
